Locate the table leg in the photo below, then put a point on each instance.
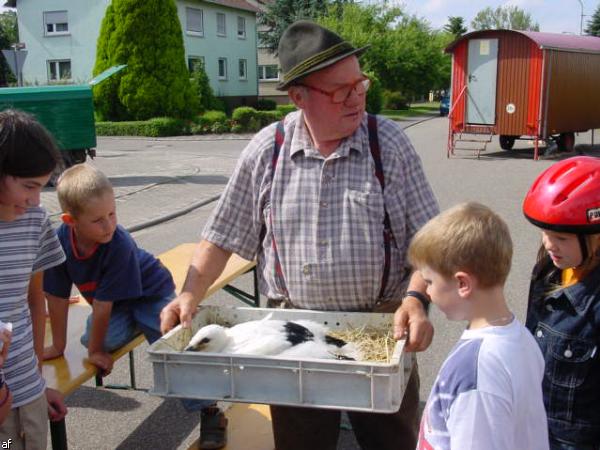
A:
(58, 435)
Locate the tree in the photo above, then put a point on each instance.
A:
(147, 37)
(202, 89)
(282, 13)
(405, 54)
(593, 25)
(455, 26)
(9, 34)
(504, 17)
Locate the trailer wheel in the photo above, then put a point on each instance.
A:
(507, 142)
(566, 142)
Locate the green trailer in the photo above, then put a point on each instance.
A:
(67, 111)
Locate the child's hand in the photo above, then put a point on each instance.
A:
(51, 352)
(102, 361)
(5, 337)
(56, 405)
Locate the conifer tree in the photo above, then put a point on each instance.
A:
(281, 13)
(147, 37)
(593, 25)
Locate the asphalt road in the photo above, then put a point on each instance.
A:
(154, 177)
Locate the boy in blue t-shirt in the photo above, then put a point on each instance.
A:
(126, 286)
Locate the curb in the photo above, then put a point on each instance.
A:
(172, 215)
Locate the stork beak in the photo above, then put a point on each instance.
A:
(197, 347)
(194, 347)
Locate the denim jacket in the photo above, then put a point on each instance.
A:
(566, 325)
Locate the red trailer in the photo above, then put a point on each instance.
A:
(523, 85)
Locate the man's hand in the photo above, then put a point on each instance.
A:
(179, 310)
(51, 352)
(411, 320)
(102, 361)
(56, 405)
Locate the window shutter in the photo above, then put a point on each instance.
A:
(193, 18)
(56, 17)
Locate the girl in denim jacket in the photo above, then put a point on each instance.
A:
(564, 298)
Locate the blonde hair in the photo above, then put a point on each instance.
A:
(78, 184)
(468, 237)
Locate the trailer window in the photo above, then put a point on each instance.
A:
(59, 70)
(56, 23)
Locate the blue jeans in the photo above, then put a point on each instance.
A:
(130, 317)
(557, 445)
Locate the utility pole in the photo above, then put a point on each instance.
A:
(581, 22)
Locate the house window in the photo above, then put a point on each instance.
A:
(195, 63)
(221, 30)
(56, 23)
(243, 66)
(269, 72)
(59, 70)
(222, 68)
(241, 32)
(194, 21)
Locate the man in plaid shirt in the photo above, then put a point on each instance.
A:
(327, 202)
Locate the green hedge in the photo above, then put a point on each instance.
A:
(265, 104)
(243, 120)
(156, 127)
(395, 100)
(211, 122)
(286, 109)
(251, 120)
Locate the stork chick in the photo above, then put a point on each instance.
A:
(270, 338)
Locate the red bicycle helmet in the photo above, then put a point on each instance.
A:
(566, 197)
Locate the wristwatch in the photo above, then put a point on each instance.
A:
(421, 297)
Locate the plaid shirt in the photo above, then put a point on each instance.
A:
(325, 214)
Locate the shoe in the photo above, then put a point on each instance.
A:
(213, 429)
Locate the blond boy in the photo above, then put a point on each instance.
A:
(488, 392)
(126, 286)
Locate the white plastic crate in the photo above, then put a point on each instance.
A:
(317, 383)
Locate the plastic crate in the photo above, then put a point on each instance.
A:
(317, 383)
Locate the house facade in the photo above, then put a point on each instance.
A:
(269, 69)
(61, 35)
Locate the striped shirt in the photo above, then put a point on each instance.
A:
(325, 215)
(27, 245)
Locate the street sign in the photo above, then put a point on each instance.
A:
(15, 60)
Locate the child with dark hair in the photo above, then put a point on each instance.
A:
(28, 246)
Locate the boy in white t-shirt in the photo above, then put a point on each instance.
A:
(488, 392)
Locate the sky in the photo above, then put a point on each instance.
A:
(553, 16)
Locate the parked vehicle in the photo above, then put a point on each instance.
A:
(523, 85)
(445, 105)
(66, 110)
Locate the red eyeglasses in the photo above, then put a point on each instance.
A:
(342, 94)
